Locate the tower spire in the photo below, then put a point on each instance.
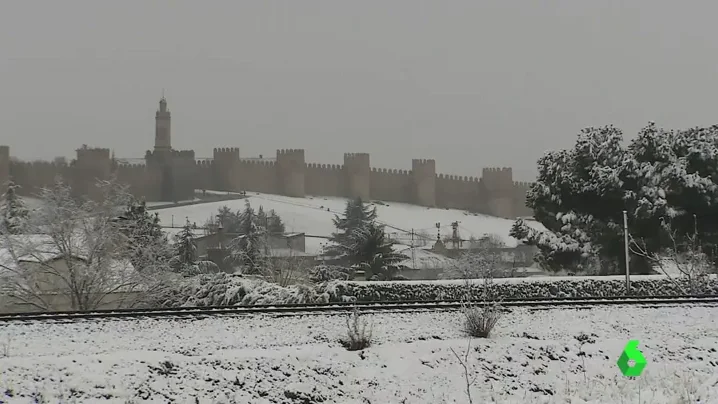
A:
(163, 134)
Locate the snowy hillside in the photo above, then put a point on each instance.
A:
(313, 216)
(532, 357)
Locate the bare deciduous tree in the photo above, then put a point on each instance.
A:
(79, 250)
(685, 254)
(284, 270)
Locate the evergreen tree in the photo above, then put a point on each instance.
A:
(363, 242)
(185, 246)
(580, 195)
(228, 219)
(371, 250)
(249, 249)
(144, 232)
(261, 218)
(356, 216)
(14, 212)
(275, 224)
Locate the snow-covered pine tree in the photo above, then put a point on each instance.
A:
(185, 248)
(356, 216)
(14, 212)
(363, 242)
(228, 219)
(275, 223)
(580, 195)
(260, 218)
(249, 249)
(144, 232)
(371, 250)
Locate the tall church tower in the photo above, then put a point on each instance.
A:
(163, 133)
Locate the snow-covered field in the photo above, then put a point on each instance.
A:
(313, 216)
(533, 357)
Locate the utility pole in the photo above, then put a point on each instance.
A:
(413, 255)
(626, 247)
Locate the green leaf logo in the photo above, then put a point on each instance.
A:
(631, 353)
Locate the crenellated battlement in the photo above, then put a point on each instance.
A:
(524, 184)
(265, 163)
(204, 163)
(330, 167)
(356, 158)
(424, 167)
(184, 154)
(290, 159)
(495, 178)
(290, 152)
(357, 163)
(449, 177)
(92, 153)
(392, 171)
(131, 166)
(226, 152)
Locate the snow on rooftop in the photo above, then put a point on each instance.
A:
(313, 216)
(533, 356)
(422, 258)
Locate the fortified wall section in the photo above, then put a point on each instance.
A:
(325, 180)
(176, 174)
(259, 175)
(226, 169)
(521, 189)
(290, 172)
(392, 185)
(424, 176)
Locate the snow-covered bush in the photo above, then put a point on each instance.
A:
(222, 289)
(326, 273)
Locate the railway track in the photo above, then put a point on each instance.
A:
(342, 308)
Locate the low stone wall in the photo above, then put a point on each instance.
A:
(515, 288)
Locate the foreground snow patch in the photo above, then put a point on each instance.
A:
(533, 357)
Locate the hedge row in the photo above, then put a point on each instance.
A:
(578, 287)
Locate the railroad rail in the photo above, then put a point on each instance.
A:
(345, 307)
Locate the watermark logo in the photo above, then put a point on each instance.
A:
(631, 354)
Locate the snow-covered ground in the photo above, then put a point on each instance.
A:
(313, 216)
(533, 357)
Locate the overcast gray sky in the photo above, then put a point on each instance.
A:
(469, 83)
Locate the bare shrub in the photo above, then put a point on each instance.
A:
(283, 270)
(480, 320)
(359, 332)
(480, 317)
(685, 254)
